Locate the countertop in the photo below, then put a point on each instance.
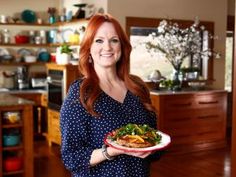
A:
(30, 91)
(169, 92)
(9, 100)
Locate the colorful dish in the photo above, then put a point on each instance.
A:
(165, 141)
(28, 16)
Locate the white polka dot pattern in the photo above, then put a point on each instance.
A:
(82, 133)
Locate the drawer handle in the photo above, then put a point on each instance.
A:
(181, 119)
(181, 104)
(208, 117)
(208, 102)
(205, 133)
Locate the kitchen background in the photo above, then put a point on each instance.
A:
(210, 10)
(185, 9)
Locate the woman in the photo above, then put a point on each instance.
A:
(107, 98)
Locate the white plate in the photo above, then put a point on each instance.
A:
(66, 33)
(165, 141)
(24, 52)
(3, 52)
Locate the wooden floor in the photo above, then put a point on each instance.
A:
(214, 163)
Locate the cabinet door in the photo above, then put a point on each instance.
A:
(54, 127)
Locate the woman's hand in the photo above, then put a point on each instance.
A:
(138, 154)
(114, 152)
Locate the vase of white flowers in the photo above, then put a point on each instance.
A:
(177, 44)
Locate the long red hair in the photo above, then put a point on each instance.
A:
(89, 89)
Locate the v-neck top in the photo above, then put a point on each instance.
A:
(82, 133)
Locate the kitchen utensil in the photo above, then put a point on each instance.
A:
(6, 58)
(21, 39)
(3, 19)
(11, 117)
(66, 33)
(12, 164)
(80, 12)
(28, 16)
(30, 59)
(11, 140)
(24, 52)
(8, 79)
(22, 77)
(44, 56)
(38, 82)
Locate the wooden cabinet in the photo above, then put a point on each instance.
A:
(69, 74)
(22, 149)
(193, 120)
(39, 111)
(54, 134)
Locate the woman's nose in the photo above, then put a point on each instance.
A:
(107, 45)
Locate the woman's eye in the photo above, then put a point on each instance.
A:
(99, 41)
(115, 41)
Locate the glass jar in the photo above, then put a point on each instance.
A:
(6, 36)
(32, 37)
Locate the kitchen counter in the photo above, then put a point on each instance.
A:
(25, 91)
(169, 92)
(9, 100)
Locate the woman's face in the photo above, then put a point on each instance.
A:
(105, 49)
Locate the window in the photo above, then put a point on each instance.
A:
(142, 63)
(228, 61)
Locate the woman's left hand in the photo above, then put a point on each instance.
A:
(115, 152)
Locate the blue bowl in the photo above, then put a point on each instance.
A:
(44, 56)
(11, 140)
(28, 16)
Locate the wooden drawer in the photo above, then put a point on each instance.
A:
(210, 101)
(195, 119)
(177, 103)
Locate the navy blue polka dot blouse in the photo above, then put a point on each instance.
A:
(82, 133)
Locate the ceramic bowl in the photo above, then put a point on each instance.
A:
(21, 39)
(11, 140)
(30, 59)
(28, 16)
(12, 164)
(11, 117)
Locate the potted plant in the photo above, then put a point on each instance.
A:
(64, 53)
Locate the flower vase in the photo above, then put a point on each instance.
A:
(176, 81)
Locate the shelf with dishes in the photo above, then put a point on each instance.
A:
(49, 45)
(56, 24)
(23, 64)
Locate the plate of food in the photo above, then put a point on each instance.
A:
(137, 138)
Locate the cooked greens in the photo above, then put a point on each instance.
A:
(143, 131)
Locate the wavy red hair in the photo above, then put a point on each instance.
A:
(89, 89)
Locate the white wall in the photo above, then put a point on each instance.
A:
(207, 10)
(231, 7)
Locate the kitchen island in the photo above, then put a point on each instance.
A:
(39, 97)
(195, 120)
(16, 123)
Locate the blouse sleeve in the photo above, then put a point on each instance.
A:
(74, 150)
